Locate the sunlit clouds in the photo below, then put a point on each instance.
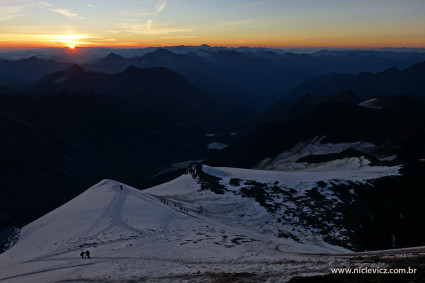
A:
(135, 21)
(71, 40)
(147, 28)
(62, 11)
(57, 40)
(11, 12)
(158, 9)
(160, 6)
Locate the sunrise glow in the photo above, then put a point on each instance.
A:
(327, 23)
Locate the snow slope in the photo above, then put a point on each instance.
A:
(160, 235)
(133, 235)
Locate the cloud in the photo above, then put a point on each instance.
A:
(14, 2)
(64, 12)
(10, 9)
(50, 39)
(160, 6)
(148, 28)
(11, 12)
(137, 13)
(149, 24)
(74, 39)
(90, 5)
(179, 37)
(151, 12)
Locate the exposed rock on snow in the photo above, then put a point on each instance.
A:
(206, 223)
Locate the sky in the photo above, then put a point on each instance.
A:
(267, 23)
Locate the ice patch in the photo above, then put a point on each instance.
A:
(371, 103)
(389, 158)
(217, 145)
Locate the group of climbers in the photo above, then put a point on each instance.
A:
(171, 204)
(85, 254)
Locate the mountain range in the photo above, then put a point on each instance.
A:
(245, 171)
(15, 73)
(73, 127)
(151, 86)
(409, 81)
(395, 123)
(254, 76)
(257, 78)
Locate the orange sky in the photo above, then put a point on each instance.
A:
(269, 23)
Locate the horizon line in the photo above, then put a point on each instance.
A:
(212, 46)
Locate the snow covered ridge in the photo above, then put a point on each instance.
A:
(254, 221)
(157, 235)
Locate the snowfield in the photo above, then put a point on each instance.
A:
(287, 160)
(161, 235)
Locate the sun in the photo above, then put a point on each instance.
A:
(71, 40)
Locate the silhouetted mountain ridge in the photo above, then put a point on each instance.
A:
(283, 112)
(73, 127)
(410, 81)
(15, 73)
(258, 77)
(57, 144)
(398, 126)
(159, 87)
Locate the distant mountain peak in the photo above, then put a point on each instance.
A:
(113, 56)
(418, 67)
(131, 69)
(75, 68)
(392, 70)
(31, 59)
(390, 81)
(162, 51)
(346, 96)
